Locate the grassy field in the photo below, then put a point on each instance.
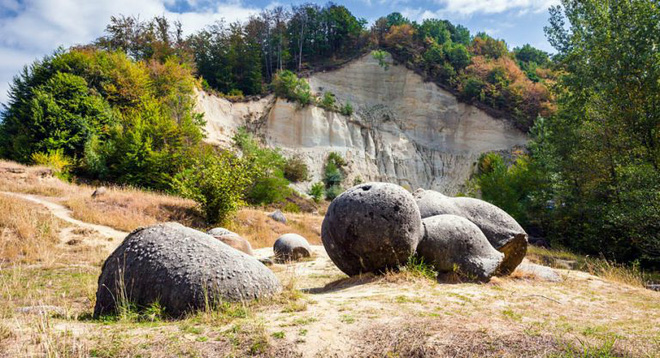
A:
(49, 268)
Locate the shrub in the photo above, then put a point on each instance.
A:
(380, 55)
(337, 159)
(347, 109)
(328, 101)
(317, 191)
(471, 88)
(267, 167)
(332, 192)
(295, 169)
(218, 183)
(55, 160)
(287, 85)
(458, 56)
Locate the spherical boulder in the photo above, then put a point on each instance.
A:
(180, 268)
(232, 239)
(371, 227)
(291, 247)
(501, 230)
(452, 242)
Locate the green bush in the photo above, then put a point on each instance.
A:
(380, 55)
(328, 101)
(333, 175)
(217, 183)
(287, 85)
(267, 166)
(337, 159)
(347, 109)
(295, 169)
(317, 191)
(332, 192)
(472, 88)
(55, 160)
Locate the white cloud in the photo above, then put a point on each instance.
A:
(469, 7)
(33, 28)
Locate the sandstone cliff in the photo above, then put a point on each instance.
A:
(403, 130)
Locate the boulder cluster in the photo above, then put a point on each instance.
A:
(374, 227)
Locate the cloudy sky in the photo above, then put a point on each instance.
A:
(30, 29)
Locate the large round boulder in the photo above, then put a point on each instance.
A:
(180, 268)
(453, 243)
(232, 239)
(291, 247)
(371, 227)
(501, 230)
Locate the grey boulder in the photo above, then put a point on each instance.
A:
(180, 268)
(501, 230)
(232, 239)
(454, 244)
(291, 247)
(278, 216)
(371, 227)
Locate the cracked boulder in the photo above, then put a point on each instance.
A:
(232, 239)
(501, 230)
(371, 227)
(291, 247)
(180, 268)
(454, 244)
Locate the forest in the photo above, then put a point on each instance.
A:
(120, 110)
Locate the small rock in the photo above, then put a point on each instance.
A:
(42, 310)
(371, 227)
(278, 216)
(232, 239)
(291, 247)
(99, 192)
(653, 287)
(542, 272)
(453, 243)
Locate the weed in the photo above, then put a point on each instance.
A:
(417, 267)
(278, 335)
(348, 319)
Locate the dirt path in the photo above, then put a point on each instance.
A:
(108, 237)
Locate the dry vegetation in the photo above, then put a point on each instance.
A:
(48, 274)
(262, 231)
(28, 231)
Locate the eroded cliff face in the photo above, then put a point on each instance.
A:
(403, 130)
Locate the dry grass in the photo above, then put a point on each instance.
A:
(28, 232)
(623, 274)
(127, 208)
(36, 180)
(262, 231)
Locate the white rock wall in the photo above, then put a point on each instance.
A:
(403, 130)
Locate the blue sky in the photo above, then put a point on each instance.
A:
(30, 29)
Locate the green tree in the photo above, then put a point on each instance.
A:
(605, 136)
(59, 113)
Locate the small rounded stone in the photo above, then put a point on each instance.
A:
(291, 247)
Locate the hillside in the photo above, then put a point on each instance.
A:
(51, 262)
(403, 130)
